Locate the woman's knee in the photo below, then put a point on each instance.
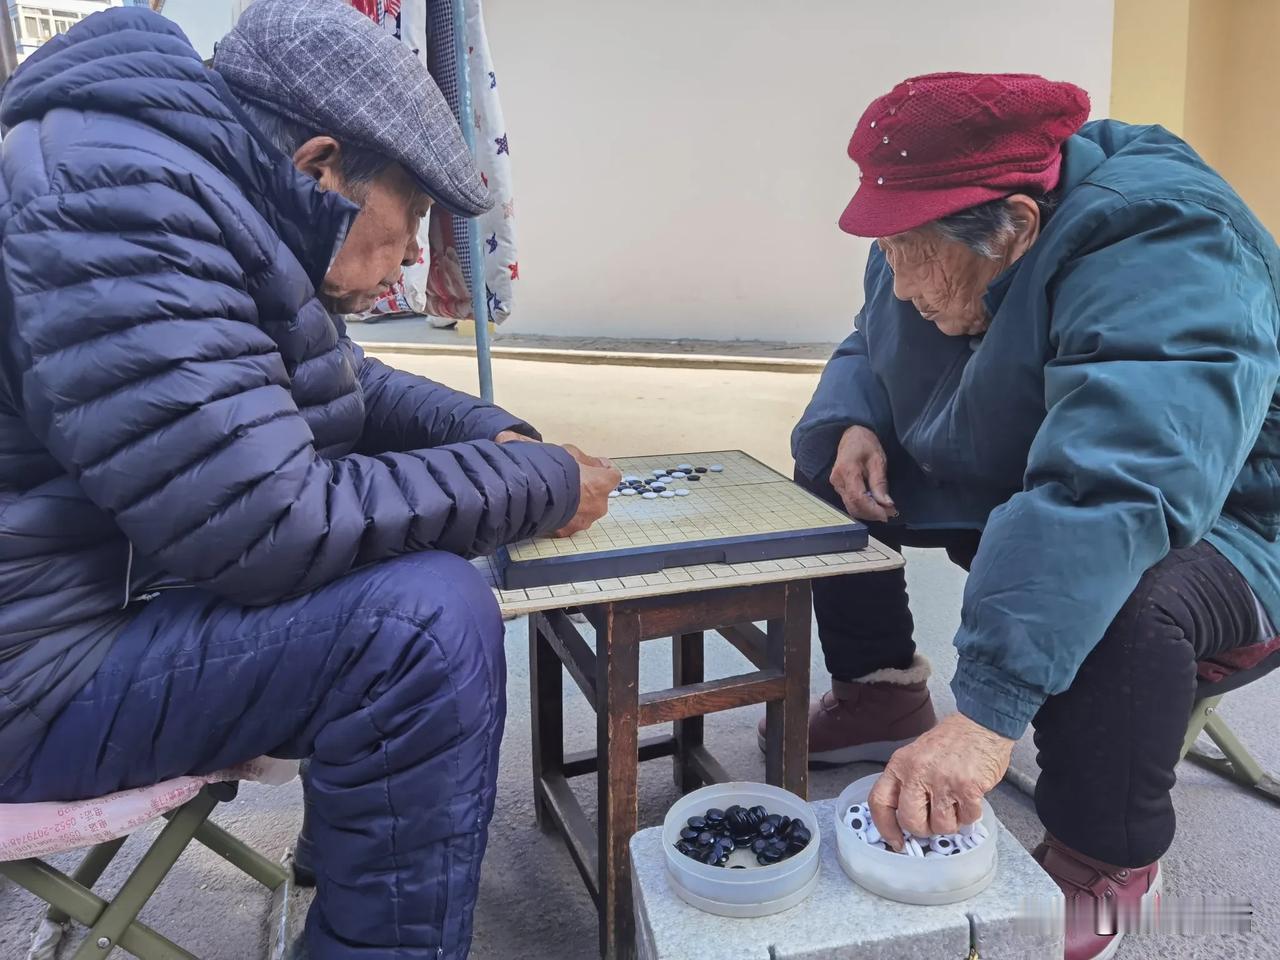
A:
(1155, 615)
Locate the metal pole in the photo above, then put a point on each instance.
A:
(8, 48)
(479, 300)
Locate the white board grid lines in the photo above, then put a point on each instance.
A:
(746, 511)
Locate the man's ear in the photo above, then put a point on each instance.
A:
(318, 158)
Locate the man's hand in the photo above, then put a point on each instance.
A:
(510, 436)
(589, 461)
(861, 477)
(936, 784)
(598, 478)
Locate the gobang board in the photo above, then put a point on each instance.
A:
(746, 512)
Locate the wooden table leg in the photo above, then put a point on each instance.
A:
(546, 700)
(686, 668)
(787, 720)
(617, 736)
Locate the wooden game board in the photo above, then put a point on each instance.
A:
(747, 513)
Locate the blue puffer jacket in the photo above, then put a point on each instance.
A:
(1123, 402)
(176, 407)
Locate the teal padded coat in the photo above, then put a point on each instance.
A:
(1122, 403)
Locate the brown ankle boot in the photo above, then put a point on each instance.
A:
(870, 718)
(1101, 899)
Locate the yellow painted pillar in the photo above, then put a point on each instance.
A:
(1149, 62)
(1233, 80)
(1207, 70)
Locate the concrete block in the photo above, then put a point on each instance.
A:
(1020, 916)
(840, 920)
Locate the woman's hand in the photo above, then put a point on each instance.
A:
(861, 476)
(936, 784)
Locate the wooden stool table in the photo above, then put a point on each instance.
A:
(682, 603)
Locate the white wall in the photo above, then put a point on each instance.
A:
(679, 164)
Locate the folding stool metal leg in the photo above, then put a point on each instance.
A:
(90, 870)
(1232, 759)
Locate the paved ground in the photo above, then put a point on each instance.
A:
(532, 906)
(417, 330)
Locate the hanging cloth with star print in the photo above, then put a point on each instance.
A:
(449, 275)
(438, 286)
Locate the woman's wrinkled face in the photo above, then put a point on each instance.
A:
(944, 279)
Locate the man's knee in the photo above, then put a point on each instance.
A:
(438, 590)
(434, 621)
(424, 669)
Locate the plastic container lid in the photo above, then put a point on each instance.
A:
(894, 876)
(759, 890)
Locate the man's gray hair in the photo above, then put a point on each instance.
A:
(983, 228)
(356, 165)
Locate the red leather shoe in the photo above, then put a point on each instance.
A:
(1102, 900)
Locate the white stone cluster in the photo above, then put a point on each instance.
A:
(858, 819)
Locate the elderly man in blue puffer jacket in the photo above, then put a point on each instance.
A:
(224, 531)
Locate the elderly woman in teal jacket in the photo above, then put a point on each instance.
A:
(1065, 374)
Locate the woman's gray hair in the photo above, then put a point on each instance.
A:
(982, 228)
(357, 165)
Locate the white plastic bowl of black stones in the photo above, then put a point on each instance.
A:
(752, 877)
(932, 871)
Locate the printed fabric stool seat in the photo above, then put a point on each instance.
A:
(32, 831)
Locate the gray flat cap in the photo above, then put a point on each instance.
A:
(324, 64)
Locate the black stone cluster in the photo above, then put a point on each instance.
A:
(657, 486)
(712, 837)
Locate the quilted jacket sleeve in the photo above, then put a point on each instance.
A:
(404, 411)
(1166, 361)
(147, 375)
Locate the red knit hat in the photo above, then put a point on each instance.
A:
(935, 145)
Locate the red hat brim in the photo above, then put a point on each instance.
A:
(881, 210)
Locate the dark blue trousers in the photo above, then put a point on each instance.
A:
(392, 680)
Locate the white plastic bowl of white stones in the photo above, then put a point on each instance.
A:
(929, 871)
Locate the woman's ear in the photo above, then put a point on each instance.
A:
(1026, 225)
